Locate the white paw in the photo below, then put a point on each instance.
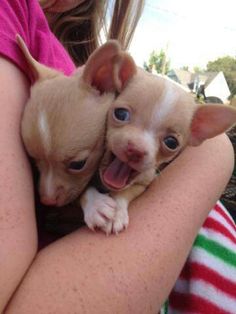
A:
(104, 212)
(99, 212)
(120, 221)
(121, 218)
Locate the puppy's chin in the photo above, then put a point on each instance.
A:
(115, 174)
(61, 200)
(63, 192)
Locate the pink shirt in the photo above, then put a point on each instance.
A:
(26, 18)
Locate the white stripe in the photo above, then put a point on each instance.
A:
(207, 292)
(218, 237)
(49, 184)
(162, 311)
(167, 102)
(44, 131)
(202, 257)
(219, 218)
(150, 142)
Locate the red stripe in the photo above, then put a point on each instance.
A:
(215, 225)
(223, 213)
(196, 271)
(191, 303)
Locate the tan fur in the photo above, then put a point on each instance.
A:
(158, 108)
(145, 118)
(64, 121)
(71, 115)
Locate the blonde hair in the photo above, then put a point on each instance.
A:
(80, 29)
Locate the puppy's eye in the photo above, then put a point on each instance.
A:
(121, 114)
(171, 142)
(77, 165)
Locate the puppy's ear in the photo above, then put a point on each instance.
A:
(39, 71)
(209, 121)
(124, 69)
(108, 68)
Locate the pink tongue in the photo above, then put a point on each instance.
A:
(117, 174)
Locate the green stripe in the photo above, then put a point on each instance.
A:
(216, 249)
(164, 309)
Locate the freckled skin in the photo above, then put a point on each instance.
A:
(141, 258)
(133, 272)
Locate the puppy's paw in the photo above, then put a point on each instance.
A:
(99, 212)
(107, 228)
(121, 218)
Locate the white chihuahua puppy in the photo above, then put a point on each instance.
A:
(149, 124)
(63, 124)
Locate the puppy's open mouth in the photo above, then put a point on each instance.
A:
(117, 174)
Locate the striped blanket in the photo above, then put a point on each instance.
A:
(207, 283)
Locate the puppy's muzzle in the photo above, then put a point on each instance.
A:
(135, 154)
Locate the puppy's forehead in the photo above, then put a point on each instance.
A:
(157, 104)
(73, 133)
(151, 96)
(66, 121)
(165, 103)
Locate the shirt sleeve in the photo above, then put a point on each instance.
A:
(25, 17)
(14, 20)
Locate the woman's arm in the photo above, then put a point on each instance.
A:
(17, 223)
(133, 272)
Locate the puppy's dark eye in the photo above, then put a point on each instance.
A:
(77, 165)
(121, 114)
(171, 142)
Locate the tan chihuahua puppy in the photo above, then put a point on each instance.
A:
(149, 124)
(63, 124)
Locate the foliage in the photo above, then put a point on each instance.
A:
(185, 68)
(158, 61)
(146, 67)
(228, 66)
(197, 69)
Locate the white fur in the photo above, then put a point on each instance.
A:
(149, 139)
(99, 210)
(121, 219)
(44, 131)
(48, 184)
(166, 105)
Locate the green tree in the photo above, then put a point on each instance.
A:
(228, 66)
(158, 61)
(197, 69)
(146, 67)
(185, 68)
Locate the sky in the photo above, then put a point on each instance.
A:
(192, 32)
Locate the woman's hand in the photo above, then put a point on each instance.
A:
(58, 6)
